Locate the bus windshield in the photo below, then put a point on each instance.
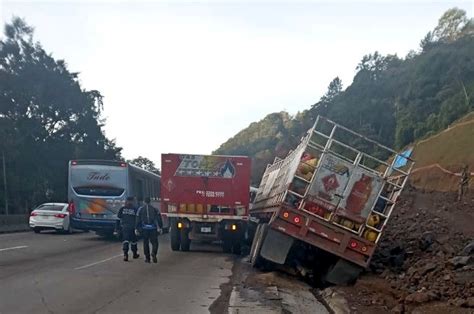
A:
(98, 180)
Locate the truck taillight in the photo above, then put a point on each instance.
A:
(296, 220)
(353, 244)
(286, 215)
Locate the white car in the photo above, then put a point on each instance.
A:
(50, 216)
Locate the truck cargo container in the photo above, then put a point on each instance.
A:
(324, 207)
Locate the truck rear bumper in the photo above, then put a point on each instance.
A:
(207, 218)
(323, 235)
(211, 230)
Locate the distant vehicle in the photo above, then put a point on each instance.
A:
(98, 188)
(206, 198)
(324, 207)
(51, 216)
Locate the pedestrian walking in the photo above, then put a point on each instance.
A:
(127, 215)
(463, 182)
(149, 224)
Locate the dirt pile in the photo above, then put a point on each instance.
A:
(426, 256)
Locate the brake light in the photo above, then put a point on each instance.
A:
(297, 220)
(60, 215)
(33, 214)
(123, 164)
(353, 244)
(71, 208)
(73, 162)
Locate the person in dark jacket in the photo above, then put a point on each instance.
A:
(149, 224)
(127, 215)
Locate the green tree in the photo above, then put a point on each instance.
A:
(451, 25)
(145, 163)
(47, 118)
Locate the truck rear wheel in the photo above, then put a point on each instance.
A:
(255, 258)
(343, 273)
(226, 243)
(236, 247)
(185, 241)
(175, 236)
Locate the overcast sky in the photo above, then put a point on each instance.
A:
(184, 77)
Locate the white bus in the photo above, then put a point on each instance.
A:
(98, 188)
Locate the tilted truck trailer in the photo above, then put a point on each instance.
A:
(324, 207)
(206, 198)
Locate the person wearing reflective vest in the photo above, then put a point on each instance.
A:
(149, 224)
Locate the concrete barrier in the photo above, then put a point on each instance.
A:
(6, 220)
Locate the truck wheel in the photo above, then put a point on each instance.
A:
(342, 273)
(185, 241)
(254, 242)
(226, 244)
(175, 237)
(236, 247)
(257, 261)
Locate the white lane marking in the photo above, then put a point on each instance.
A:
(99, 262)
(14, 248)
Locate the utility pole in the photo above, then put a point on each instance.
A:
(5, 183)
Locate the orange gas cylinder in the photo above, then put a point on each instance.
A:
(359, 195)
(199, 208)
(191, 208)
(182, 208)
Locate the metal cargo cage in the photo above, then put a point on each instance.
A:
(338, 176)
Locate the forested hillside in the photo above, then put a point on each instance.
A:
(391, 99)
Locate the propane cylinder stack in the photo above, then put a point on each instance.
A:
(340, 177)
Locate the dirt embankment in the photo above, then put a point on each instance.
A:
(425, 261)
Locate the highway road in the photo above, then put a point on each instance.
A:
(82, 273)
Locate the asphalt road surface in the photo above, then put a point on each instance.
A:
(83, 273)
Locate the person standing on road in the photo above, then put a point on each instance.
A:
(464, 182)
(127, 215)
(149, 224)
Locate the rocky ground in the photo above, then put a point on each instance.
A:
(425, 261)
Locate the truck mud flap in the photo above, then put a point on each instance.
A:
(276, 246)
(343, 273)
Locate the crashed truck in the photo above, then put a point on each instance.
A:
(323, 208)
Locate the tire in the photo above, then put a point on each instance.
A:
(254, 242)
(68, 230)
(37, 230)
(185, 241)
(175, 237)
(227, 244)
(236, 247)
(257, 261)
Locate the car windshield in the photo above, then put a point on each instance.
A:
(51, 207)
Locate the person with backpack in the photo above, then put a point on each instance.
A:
(149, 224)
